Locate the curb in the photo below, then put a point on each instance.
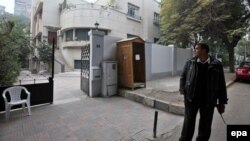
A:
(171, 107)
(229, 83)
(166, 106)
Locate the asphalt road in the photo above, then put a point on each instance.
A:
(237, 111)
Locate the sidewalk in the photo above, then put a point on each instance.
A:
(163, 94)
(77, 117)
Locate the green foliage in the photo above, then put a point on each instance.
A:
(9, 63)
(14, 47)
(184, 21)
(242, 47)
(45, 52)
(190, 21)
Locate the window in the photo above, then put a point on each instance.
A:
(133, 11)
(156, 18)
(77, 64)
(82, 34)
(69, 35)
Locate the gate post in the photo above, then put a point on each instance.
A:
(96, 58)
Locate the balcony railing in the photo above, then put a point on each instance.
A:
(156, 22)
(133, 16)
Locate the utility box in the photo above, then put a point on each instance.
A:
(109, 79)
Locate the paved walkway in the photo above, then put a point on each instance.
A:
(76, 117)
(238, 95)
(90, 119)
(163, 94)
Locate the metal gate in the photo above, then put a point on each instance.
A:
(85, 68)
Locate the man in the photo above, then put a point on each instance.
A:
(203, 85)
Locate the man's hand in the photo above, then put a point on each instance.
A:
(221, 108)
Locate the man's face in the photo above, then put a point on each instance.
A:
(199, 51)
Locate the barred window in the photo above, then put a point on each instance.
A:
(156, 18)
(133, 10)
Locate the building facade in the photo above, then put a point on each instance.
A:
(70, 20)
(22, 7)
(2, 10)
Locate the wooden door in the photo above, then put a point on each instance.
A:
(125, 66)
(51, 36)
(139, 62)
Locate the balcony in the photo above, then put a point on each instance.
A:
(134, 17)
(156, 22)
(74, 44)
(85, 15)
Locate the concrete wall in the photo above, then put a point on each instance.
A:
(150, 29)
(148, 56)
(84, 15)
(51, 13)
(71, 54)
(110, 48)
(162, 61)
(147, 9)
(57, 67)
(182, 56)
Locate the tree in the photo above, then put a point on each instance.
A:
(243, 48)
(13, 45)
(45, 52)
(191, 21)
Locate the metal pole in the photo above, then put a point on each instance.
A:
(155, 124)
(245, 52)
(53, 57)
(81, 67)
(51, 79)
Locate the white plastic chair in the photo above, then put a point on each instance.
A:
(15, 99)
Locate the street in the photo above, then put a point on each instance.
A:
(237, 111)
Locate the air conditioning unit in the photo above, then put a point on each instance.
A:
(59, 33)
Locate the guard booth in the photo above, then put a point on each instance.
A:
(131, 63)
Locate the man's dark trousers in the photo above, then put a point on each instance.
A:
(205, 123)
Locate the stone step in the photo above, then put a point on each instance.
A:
(175, 107)
(59, 57)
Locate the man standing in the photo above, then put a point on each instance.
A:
(203, 85)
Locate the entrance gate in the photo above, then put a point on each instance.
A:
(85, 68)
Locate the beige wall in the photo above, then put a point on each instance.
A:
(71, 54)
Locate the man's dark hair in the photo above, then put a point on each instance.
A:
(204, 46)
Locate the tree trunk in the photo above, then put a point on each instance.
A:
(231, 58)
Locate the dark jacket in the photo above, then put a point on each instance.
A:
(216, 86)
